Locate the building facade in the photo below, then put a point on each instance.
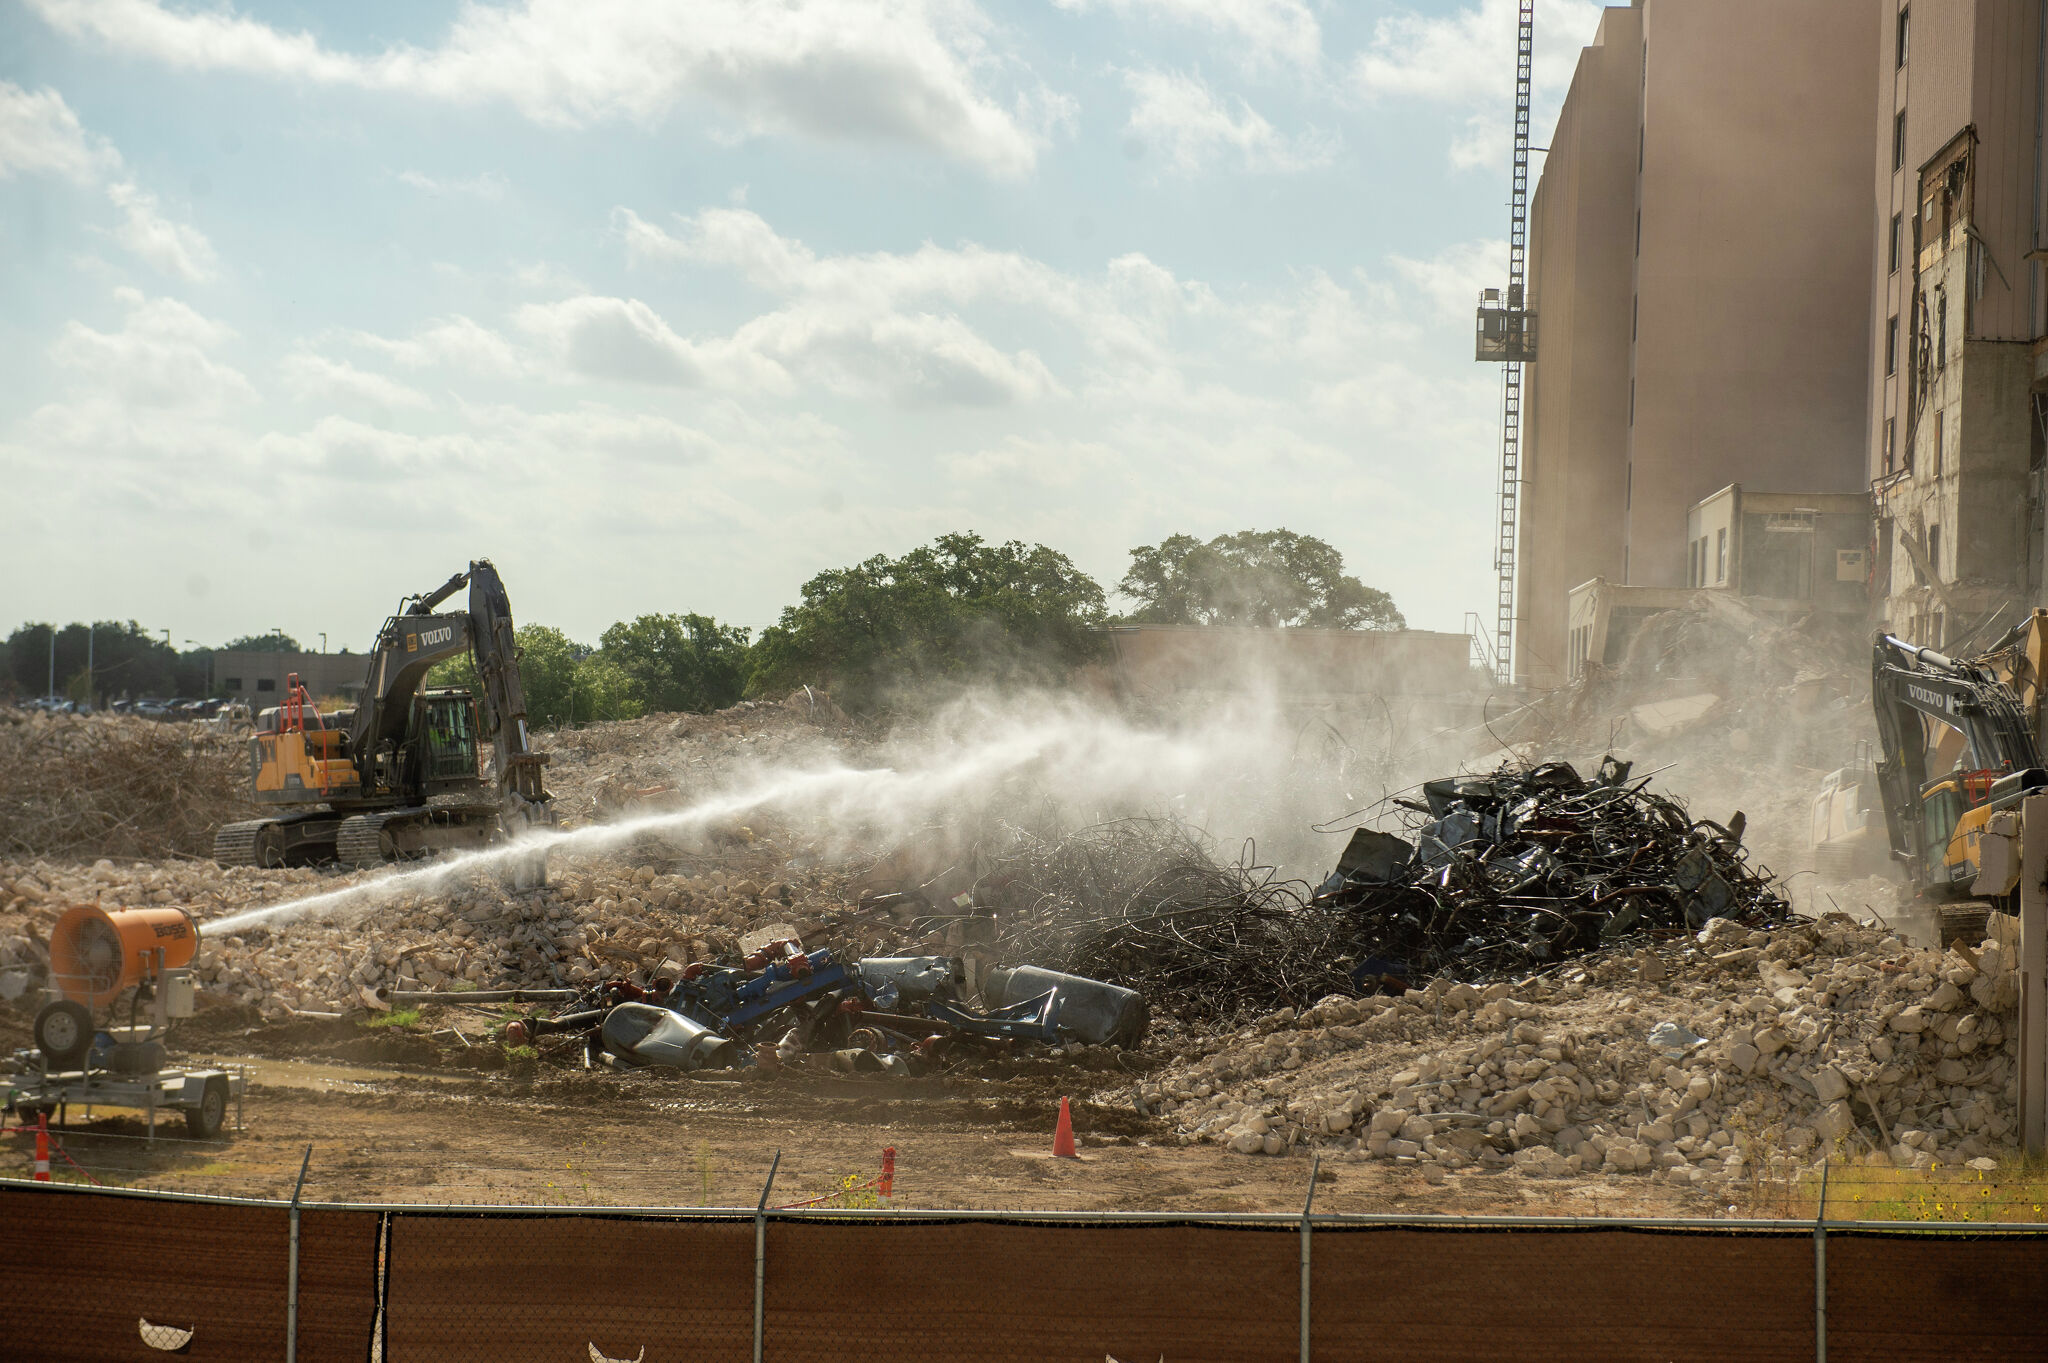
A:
(1700, 260)
(258, 676)
(1954, 434)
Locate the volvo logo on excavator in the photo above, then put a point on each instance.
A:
(429, 637)
(1947, 704)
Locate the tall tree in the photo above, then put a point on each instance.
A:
(1254, 577)
(679, 662)
(958, 610)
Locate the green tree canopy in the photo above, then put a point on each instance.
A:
(565, 682)
(1254, 577)
(679, 662)
(127, 659)
(955, 611)
(277, 641)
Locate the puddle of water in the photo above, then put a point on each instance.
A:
(323, 1077)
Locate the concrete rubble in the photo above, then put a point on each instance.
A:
(1825, 1036)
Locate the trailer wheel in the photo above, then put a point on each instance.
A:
(63, 1033)
(204, 1121)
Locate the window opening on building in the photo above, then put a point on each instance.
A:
(1891, 349)
(1895, 244)
(1899, 140)
(266, 683)
(1904, 33)
(1934, 550)
(1940, 328)
(1891, 426)
(233, 683)
(1938, 447)
(1720, 556)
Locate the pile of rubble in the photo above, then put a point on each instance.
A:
(1722, 1056)
(602, 771)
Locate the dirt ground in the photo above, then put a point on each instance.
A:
(440, 1133)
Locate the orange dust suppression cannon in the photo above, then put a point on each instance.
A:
(96, 953)
(133, 965)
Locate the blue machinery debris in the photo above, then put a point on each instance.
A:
(895, 1014)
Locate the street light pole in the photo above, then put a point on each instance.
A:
(53, 662)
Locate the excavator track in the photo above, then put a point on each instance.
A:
(360, 841)
(234, 844)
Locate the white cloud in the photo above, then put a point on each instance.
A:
(161, 359)
(1256, 30)
(454, 342)
(485, 185)
(907, 71)
(311, 377)
(39, 134)
(1177, 112)
(175, 248)
(1452, 279)
(616, 339)
(1466, 59)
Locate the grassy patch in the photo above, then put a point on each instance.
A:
(397, 1017)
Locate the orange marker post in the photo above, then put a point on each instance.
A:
(886, 1185)
(42, 1147)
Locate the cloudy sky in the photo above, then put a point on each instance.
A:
(670, 306)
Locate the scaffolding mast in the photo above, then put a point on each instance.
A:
(1507, 335)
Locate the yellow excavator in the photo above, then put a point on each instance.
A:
(1956, 743)
(402, 774)
(1850, 832)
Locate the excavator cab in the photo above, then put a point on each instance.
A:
(446, 726)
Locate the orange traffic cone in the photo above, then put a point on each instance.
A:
(886, 1185)
(1063, 1134)
(42, 1147)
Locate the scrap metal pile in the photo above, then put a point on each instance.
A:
(1141, 902)
(1499, 875)
(1527, 866)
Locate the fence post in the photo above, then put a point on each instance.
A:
(291, 1292)
(1308, 1203)
(1820, 1270)
(761, 1254)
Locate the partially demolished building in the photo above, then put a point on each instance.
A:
(1735, 310)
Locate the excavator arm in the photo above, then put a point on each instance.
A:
(503, 707)
(422, 635)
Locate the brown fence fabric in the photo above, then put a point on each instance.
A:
(508, 1288)
(1947, 1296)
(1397, 1293)
(845, 1291)
(96, 1276)
(337, 1284)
